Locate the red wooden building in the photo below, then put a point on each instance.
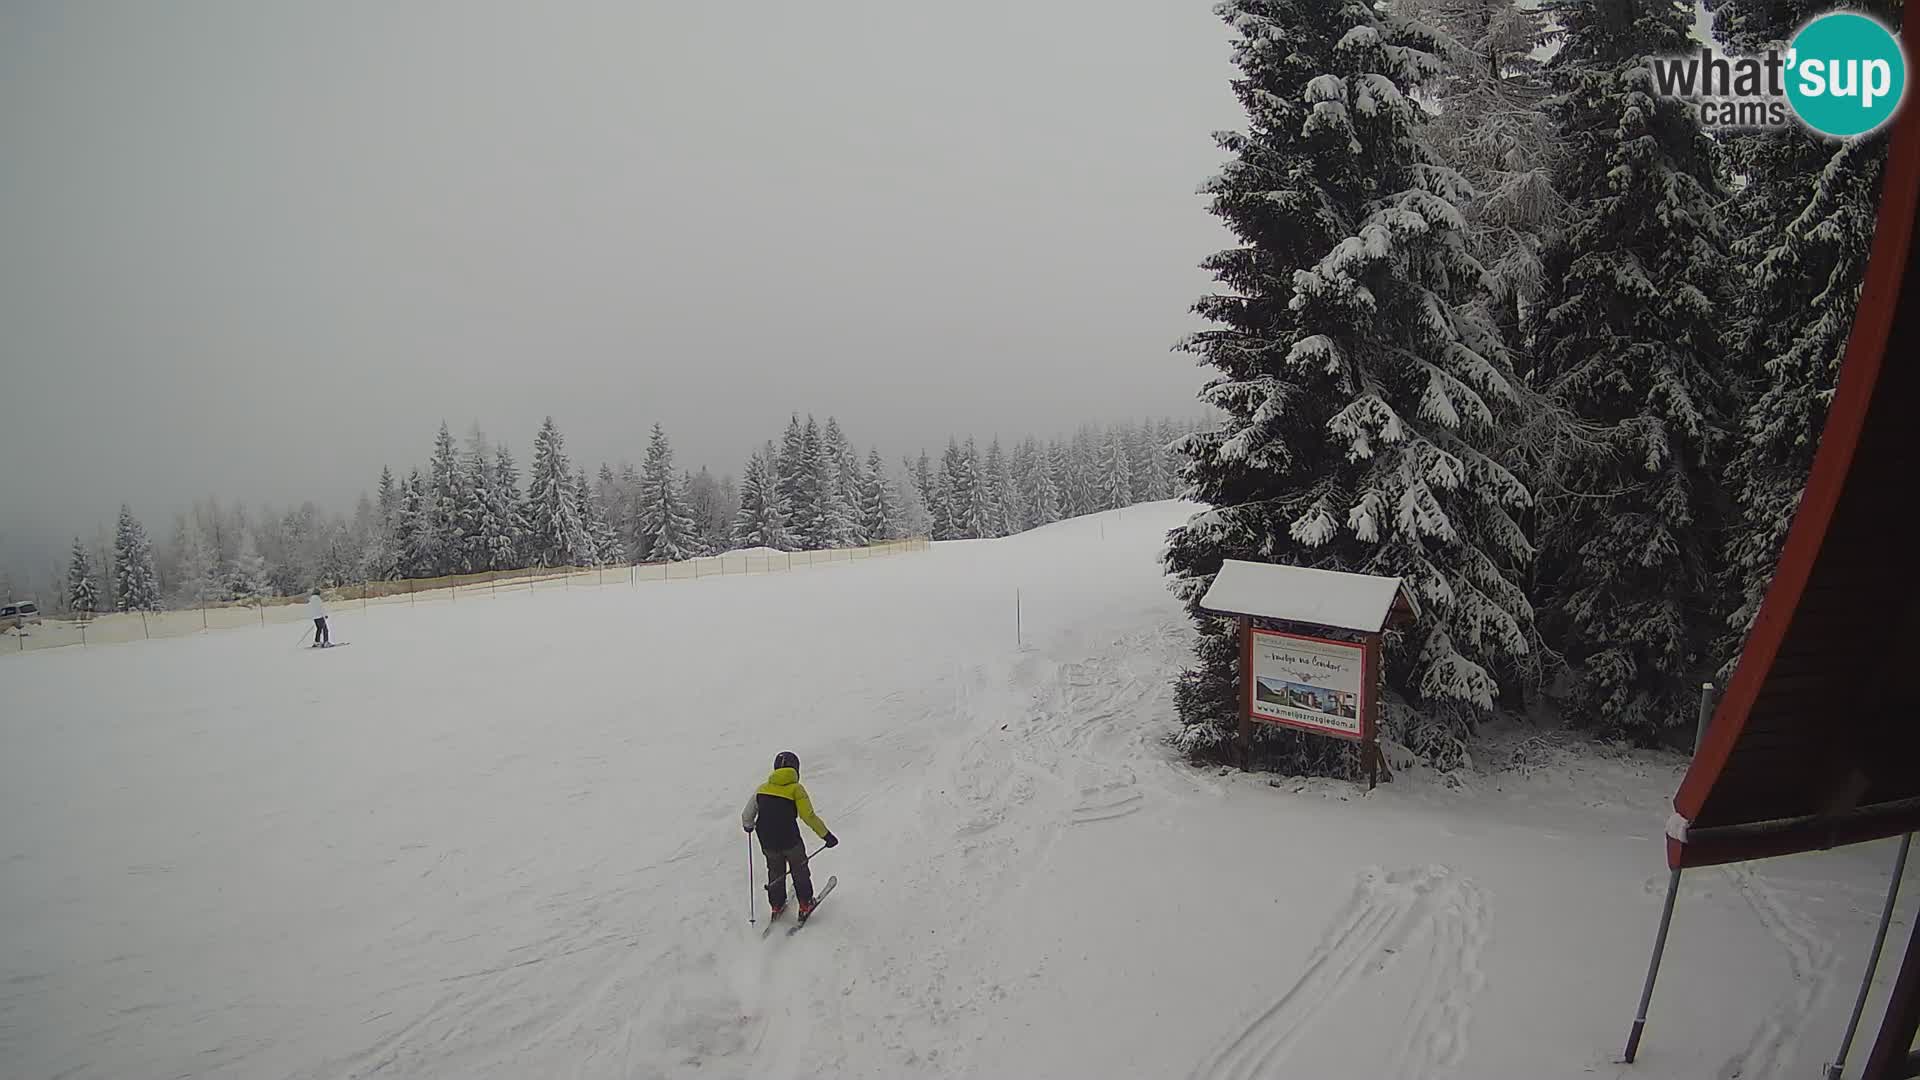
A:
(1816, 741)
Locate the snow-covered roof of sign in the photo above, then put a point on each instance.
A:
(1299, 594)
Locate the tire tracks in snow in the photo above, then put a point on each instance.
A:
(1386, 913)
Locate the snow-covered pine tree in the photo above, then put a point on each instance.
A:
(1002, 504)
(365, 535)
(830, 522)
(879, 508)
(136, 584)
(441, 542)
(1804, 222)
(592, 526)
(1358, 402)
(415, 550)
(1166, 439)
(697, 541)
(614, 507)
(555, 534)
(1043, 491)
(196, 569)
(1020, 465)
(946, 494)
(921, 473)
(1628, 336)
(729, 506)
(1116, 471)
(1084, 465)
(1138, 440)
(473, 483)
(338, 555)
(791, 472)
(856, 530)
(915, 519)
(1057, 463)
(1007, 495)
(666, 528)
(973, 495)
(711, 518)
(1157, 484)
(509, 547)
(479, 527)
(626, 496)
(250, 579)
(1488, 121)
(83, 596)
(389, 497)
(103, 569)
(847, 482)
(760, 521)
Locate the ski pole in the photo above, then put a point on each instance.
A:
(751, 921)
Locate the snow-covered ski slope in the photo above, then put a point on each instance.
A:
(501, 840)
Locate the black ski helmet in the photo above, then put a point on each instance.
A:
(787, 759)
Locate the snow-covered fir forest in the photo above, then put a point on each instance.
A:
(472, 507)
(1502, 322)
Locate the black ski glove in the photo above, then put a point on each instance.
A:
(832, 840)
(749, 828)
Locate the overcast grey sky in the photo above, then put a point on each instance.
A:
(257, 250)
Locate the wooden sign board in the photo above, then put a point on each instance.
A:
(1312, 683)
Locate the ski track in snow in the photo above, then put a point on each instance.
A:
(1386, 915)
(1770, 1053)
(1039, 746)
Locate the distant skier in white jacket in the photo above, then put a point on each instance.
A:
(317, 611)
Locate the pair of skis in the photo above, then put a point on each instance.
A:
(818, 899)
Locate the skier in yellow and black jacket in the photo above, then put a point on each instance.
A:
(776, 810)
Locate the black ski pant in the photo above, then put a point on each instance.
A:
(779, 865)
(320, 631)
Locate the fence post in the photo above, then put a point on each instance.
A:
(1706, 716)
(603, 573)
(83, 633)
(144, 632)
(203, 616)
(409, 592)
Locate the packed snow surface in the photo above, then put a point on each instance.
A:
(500, 838)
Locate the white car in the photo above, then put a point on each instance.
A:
(16, 614)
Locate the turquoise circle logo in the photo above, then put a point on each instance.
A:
(1846, 74)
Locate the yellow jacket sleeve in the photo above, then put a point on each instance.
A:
(804, 806)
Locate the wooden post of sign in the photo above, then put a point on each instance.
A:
(1371, 756)
(1246, 690)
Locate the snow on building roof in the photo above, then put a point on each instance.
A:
(1299, 594)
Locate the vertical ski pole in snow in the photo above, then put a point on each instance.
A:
(751, 921)
(1653, 968)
